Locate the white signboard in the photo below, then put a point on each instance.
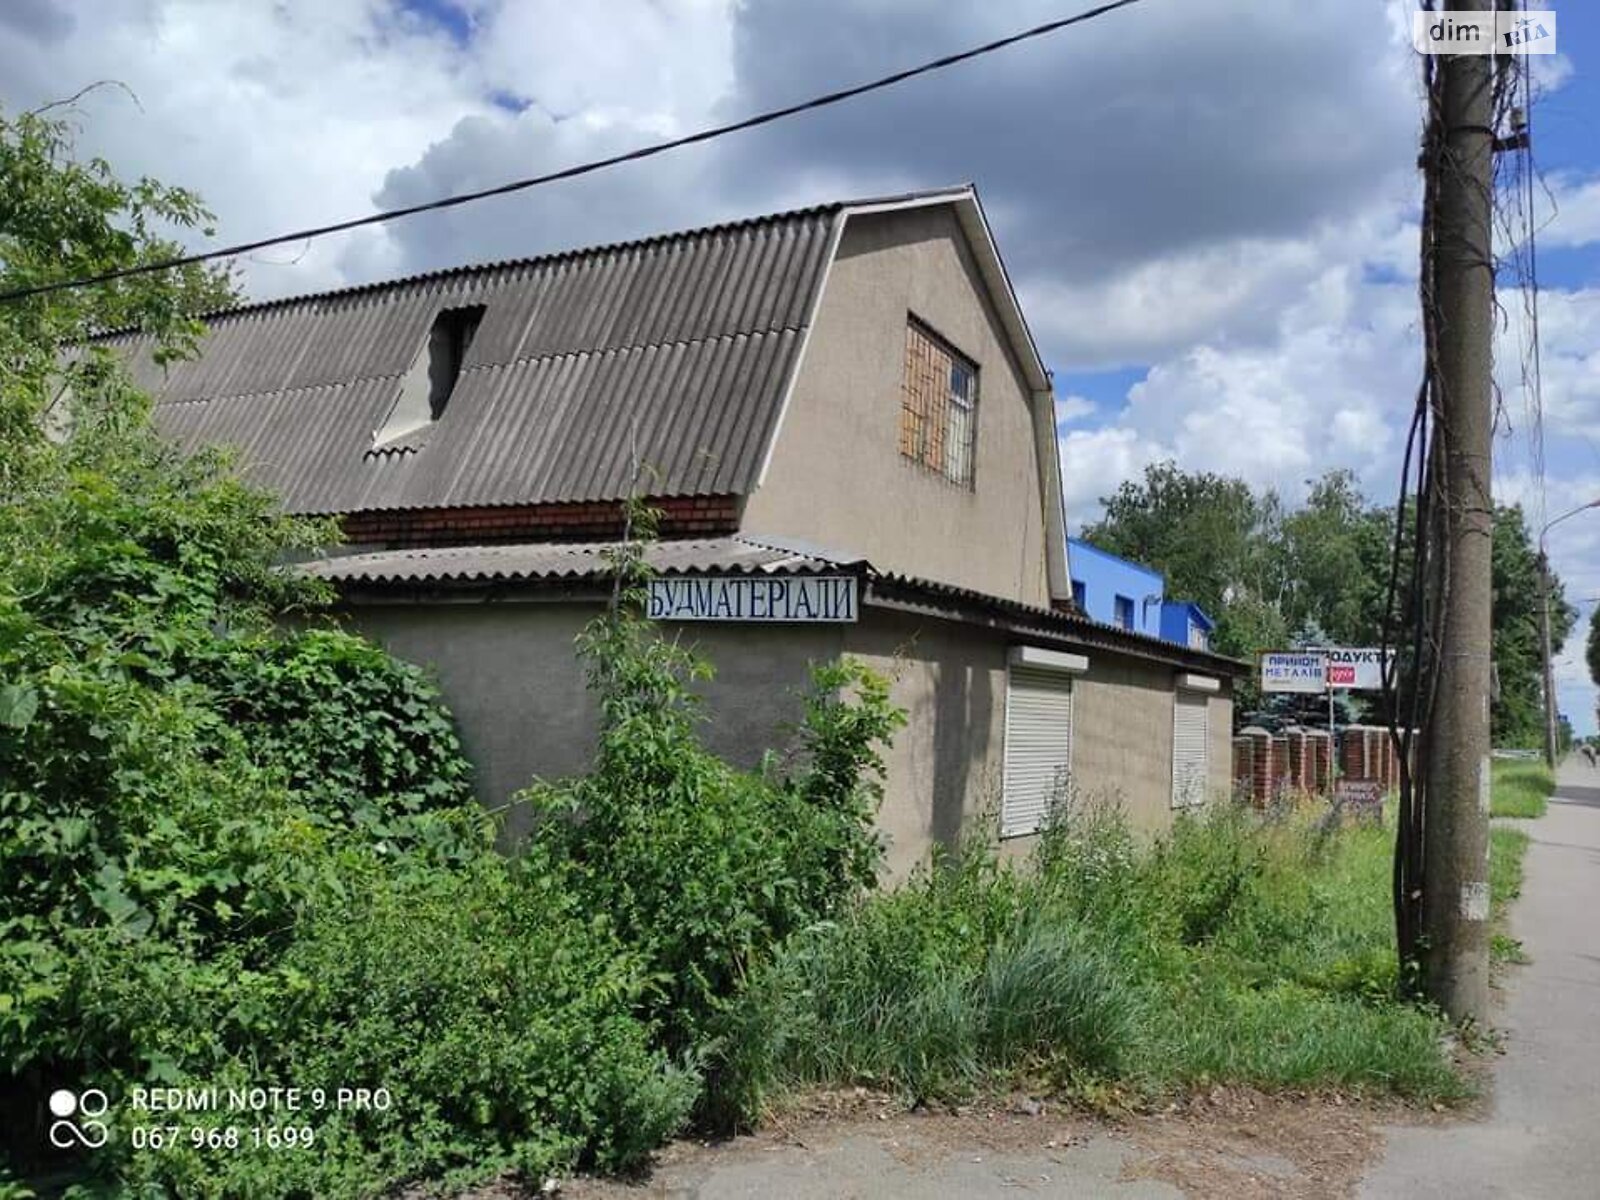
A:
(1356, 670)
(758, 598)
(1295, 671)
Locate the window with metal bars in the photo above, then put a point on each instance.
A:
(938, 405)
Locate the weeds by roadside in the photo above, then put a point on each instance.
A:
(1508, 847)
(1521, 789)
(1234, 950)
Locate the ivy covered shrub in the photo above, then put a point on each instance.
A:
(498, 1019)
(358, 735)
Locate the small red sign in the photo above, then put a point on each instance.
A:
(1342, 675)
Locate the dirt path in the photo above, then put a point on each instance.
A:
(1229, 1145)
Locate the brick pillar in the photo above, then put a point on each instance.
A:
(1281, 778)
(1261, 767)
(1244, 750)
(1320, 751)
(1378, 754)
(1352, 752)
(1297, 757)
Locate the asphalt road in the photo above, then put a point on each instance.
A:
(1542, 1137)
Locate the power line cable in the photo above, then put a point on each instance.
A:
(588, 168)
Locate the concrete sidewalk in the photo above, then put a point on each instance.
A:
(1542, 1138)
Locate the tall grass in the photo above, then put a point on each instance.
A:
(1520, 788)
(1232, 950)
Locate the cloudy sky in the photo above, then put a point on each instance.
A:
(1208, 205)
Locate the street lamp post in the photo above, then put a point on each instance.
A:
(1544, 633)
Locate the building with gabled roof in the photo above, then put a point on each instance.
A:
(840, 401)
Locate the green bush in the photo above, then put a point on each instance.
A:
(498, 1016)
(702, 867)
(358, 736)
(233, 855)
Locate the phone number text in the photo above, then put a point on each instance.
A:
(223, 1137)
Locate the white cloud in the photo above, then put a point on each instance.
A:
(281, 115)
(1095, 462)
(1574, 217)
(1072, 409)
(649, 65)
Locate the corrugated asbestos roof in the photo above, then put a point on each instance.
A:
(556, 563)
(560, 562)
(679, 347)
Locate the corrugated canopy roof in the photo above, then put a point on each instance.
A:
(559, 564)
(561, 561)
(678, 348)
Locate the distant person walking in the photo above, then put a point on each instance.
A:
(1588, 753)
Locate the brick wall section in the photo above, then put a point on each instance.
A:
(1379, 755)
(1367, 752)
(587, 521)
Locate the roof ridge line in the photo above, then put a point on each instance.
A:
(831, 208)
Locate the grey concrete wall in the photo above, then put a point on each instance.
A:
(944, 769)
(837, 477)
(511, 675)
(1122, 713)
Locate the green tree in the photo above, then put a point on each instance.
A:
(1217, 543)
(1204, 532)
(61, 218)
(1592, 651)
(1271, 577)
(1334, 561)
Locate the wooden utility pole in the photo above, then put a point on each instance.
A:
(1455, 884)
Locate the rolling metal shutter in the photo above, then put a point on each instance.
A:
(1191, 728)
(1038, 747)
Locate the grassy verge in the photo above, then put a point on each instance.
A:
(1521, 789)
(1235, 950)
(1507, 850)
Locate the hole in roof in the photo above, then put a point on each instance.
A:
(426, 388)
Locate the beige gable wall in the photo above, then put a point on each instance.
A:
(836, 476)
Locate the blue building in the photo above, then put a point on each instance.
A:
(1114, 590)
(1186, 623)
(1130, 596)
